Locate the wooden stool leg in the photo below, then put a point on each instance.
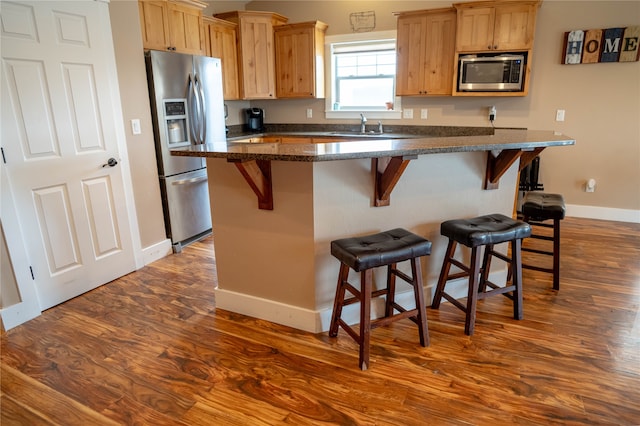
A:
(486, 268)
(516, 267)
(338, 302)
(472, 296)
(391, 290)
(444, 273)
(418, 291)
(556, 254)
(366, 278)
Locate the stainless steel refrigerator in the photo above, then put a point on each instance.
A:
(187, 109)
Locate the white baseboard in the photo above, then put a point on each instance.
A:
(603, 213)
(277, 312)
(14, 315)
(157, 251)
(318, 321)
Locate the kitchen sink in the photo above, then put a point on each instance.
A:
(369, 135)
(357, 133)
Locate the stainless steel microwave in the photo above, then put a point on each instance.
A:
(500, 73)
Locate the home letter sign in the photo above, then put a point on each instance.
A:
(608, 45)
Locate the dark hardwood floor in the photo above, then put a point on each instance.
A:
(151, 349)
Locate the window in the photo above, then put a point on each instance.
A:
(362, 76)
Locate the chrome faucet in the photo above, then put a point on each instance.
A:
(363, 121)
(380, 129)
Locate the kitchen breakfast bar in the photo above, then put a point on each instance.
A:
(276, 207)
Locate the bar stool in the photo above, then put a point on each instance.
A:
(475, 233)
(538, 207)
(362, 254)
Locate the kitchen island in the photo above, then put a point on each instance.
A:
(276, 207)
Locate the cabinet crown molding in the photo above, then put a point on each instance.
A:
(493, 3)
(423, 11)
(194, 3)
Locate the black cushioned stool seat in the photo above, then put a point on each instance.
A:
(536, 208)
(362, 254)
(475, 233)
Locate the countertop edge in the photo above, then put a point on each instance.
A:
(357, 149)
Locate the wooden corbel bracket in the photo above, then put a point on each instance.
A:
(257, 173)
(386, 172)
(497, 166)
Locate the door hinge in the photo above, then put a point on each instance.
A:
(4, 160)
(32, 276)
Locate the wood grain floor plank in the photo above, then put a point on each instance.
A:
(151, 348)
(41, 404)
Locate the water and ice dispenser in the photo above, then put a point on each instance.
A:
(175, 114)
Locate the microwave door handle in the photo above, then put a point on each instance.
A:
(203, 111)
(190, 107)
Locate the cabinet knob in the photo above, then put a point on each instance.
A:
(495, 47)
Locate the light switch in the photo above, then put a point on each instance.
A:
(407, 113)
(135, 126)
(560, 115)
(424, 113)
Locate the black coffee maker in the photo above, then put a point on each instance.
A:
(255, 119)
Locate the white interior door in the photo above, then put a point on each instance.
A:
(60, 126)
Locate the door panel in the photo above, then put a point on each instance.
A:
(59, 128)
(103, 221)
(57, 228)
(80, 87)
(31, 104)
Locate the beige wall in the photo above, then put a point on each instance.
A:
(132, 78)
(602, 101)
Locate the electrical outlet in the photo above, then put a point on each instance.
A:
(424, 113)
(560, 115)
(309, 113)
(407, 113)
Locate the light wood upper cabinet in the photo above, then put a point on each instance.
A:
(220, 42)
(425, 52)
(501, 26)
(256, 51)
(172, 25)
(300, 60)
(154, 24)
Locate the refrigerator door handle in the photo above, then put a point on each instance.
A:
(193, 104)
(203, 110)
(188, 181)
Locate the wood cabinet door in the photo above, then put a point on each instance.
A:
(154, 24)
(439, 53)
(425, 53)
(475, 29)
(514, 27)
(410, 51)
(257, 57)
(221, 43)
(295, 69)
(185, 28)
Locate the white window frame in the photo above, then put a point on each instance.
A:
(395, 114)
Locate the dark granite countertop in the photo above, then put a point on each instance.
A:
(390, 131)
(440, 142)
